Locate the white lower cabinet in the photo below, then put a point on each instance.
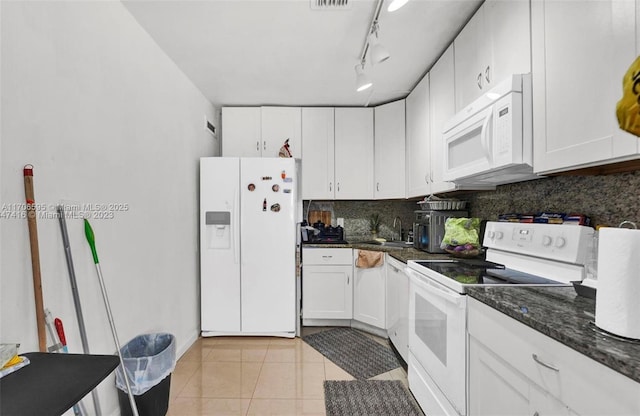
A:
(515, 370)
(327, 282)
(398, 306)
(369, 295)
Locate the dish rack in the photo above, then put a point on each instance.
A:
(442, 204)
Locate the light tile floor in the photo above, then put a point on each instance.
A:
(256, 376)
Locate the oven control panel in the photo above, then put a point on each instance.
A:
(567, 243)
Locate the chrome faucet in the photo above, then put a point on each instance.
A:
(397, 219)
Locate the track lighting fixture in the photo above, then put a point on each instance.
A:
(396, 4)
(377, 52)
(362, 79)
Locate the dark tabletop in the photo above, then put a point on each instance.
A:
(52, 383)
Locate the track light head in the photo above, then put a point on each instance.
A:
(396, 4)
(362, 79)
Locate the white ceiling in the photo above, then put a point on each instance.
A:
(282, 52)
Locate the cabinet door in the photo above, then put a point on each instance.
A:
(581, 50)
(241, 131)
(278, 125)
(494, 44)
(354, 153)
(494, 387)
(442, 106)
(508, 26)
(470, 51)
(389, 150)
(317, 153)
(369, 295)
(418, 159)
(327, 292)
(397, 316)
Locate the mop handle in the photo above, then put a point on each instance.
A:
(35, 256)
(92, 243)
(76, 297)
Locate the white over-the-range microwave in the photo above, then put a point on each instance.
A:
(490, 142)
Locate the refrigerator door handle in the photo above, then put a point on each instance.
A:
(235, 233)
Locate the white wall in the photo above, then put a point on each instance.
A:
(105, 117)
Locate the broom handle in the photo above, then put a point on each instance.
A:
(35, 256)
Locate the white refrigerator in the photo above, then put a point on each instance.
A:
(249, 210)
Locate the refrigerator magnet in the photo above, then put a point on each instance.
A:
(283, 174)
(275, 188)
(264, 204)
(275, 207)
(286, 191)
(251, 187)
(267, 178)
(287, 179)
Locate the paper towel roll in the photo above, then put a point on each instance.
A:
(618, 295)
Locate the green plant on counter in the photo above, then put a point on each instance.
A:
(374, 223)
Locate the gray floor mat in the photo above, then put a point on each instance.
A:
(369, 397)
(354, 352)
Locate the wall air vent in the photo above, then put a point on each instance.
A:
(330, 4)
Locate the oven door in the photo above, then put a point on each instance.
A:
(437, 335)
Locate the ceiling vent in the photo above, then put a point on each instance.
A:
(330, 4)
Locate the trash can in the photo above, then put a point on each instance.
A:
(149, 360)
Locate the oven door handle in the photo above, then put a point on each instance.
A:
(434, 288)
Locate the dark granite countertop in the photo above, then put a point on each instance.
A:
(561, 314)
(402, 254)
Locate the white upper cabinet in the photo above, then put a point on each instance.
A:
(581, 50)
(494, 44)
(241, 131)
(389, 150)
(442, 108)
(354, 153)
(278, 125)
(318, 153)
(260, 131)
(418, 158)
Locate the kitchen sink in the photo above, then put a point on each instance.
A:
(390, 244)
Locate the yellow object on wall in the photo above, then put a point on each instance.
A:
(628, 108)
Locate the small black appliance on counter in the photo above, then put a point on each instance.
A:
(327, 234)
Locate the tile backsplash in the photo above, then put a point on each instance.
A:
(606, 199)
(356, 216)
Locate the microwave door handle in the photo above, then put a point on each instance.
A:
(484, 137)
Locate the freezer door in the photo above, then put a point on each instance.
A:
(219, 244)
(268, 189)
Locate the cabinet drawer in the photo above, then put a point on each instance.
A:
(327, 256)
(584, 385)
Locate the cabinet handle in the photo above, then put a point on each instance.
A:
(426, 178)
(330, 186)
(348, 278)
(480, 80)
(487, 74)
(338, 186)
(542, 363)
(264, 145)
(377, 186)
(327, 257)
(258, 145)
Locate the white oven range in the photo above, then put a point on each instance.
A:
(517, 253)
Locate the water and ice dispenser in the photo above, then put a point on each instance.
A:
(218, 229)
